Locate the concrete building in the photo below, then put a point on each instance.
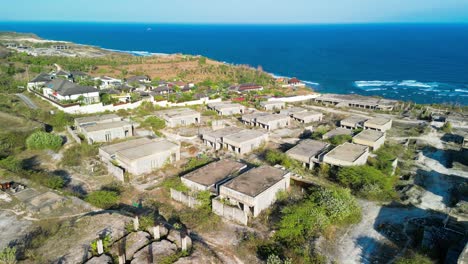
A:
(104, 128)
(255, 190)
(307, 117)
(353, 122)
(273, 121)
(250, 119)
(244, 141)
(108, 82)
(347, 154)
(309, 152)
(180, 117)
(378, 123)
(211, 176)
(337, 132)
(214, 138)
(272, 105)
(292, 110)
(371, 138)
(142, 155)
(357, 101)
(227, 108)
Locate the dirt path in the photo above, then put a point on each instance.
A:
(27, 101)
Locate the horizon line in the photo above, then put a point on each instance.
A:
(242, 23)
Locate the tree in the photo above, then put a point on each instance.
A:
(447, 127)
(154, 122)
(41, 140)
(103, 199)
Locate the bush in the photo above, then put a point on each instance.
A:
(75, 155)
(12, 164)
(195, 163)
(155, 123)
(176, 184)
(340, 139)
(8, 255)
(447, 127)
(367, 182)
(103, 199)
(41, 140)
(322, 209)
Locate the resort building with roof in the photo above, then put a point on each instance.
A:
(180, 117)
(227, 108)
(214, 138)
(378, 123)
(248, 194)
(104, 128)
(292, 110)
(142, 155)
(337, 132)
(250, 119)
(64, 90)
(40, 80)
(357, 101)
(309, 152)
(211, 176)
(347, 154)
(372, 138)
(273, 121)
(272, 105)
(307, 117)
(353, 122)
(244, 141)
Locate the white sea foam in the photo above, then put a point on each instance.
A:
(139, 53)
(374, 83)
(414, 83)
(461, 90)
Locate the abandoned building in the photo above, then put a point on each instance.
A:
(353, 122)
(211, 176)
(250, 119)
(273, 121)
(292, 110)
(142, 155)
(337, 132)
(214, 138)
(309, 152)
(357, 101)
(248, 194)
(180, 117)
(371, 138)
(307, 117)
(104, 128)
(244, 141)
(272, 105)
(347, 154)
(378, 123)
(227, 108)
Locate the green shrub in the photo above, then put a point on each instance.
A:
(103, 199)
(12, 164)
(154, 122)
(447, 127)
(414, 259)
(195, 163)
(176, 184)
(75, 155)
(8, 256)
(367, 182)
(340, 139)
(41, 140)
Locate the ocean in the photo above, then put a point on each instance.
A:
(423, 63)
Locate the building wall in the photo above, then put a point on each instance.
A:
(115, 133)
(152, 162)
(311, 118)
(193, 185)
(245, 147)
(183, 121)
(229, 212)
(271, 107)
(360, 161)
(188, 200)
(272, 125)
(382, 128)
(268, 197)
(374, 145)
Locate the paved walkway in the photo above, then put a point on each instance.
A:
(27, 101)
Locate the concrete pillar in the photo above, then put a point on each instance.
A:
(136, 223)
(100, 247)
(122, 259)
(184, 243)
(156, 232)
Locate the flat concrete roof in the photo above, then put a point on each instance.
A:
(99, 118)
(302, 115)
(102, 126)
(139, 148)
(354, 120)
(245, 135)
(370, 135)
(177, 113)
(378, 121)
(338, 131)
(222, 132)
(253, 116)
(308, 148)
(292, 110)
(347, 152)
(271, 117)
(214, 172)
(257, 180)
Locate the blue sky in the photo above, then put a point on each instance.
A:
(237, 11)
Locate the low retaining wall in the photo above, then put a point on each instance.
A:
(117, 172)
(185, 199)
(73, 135)
(229, 212)
(293, 99)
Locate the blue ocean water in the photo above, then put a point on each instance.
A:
(422, 63)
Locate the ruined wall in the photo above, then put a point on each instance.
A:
(185, 199)
(229, 212)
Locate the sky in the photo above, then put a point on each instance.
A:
(238, 11)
